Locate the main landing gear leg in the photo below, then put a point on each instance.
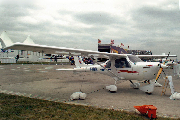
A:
(135, 85)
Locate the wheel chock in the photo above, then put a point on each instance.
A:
(147, 108)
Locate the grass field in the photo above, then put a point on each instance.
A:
(18, 107)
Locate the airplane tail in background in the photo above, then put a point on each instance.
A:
(78, 62)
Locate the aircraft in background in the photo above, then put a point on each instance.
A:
(119, 66)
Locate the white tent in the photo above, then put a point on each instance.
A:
(5, 40)
(28, 40)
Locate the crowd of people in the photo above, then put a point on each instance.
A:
(87, 60)
(71, 59)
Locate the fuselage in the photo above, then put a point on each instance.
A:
(129, 68)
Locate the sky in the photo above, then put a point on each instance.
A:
(140, 24)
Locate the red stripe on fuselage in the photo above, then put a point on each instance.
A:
(127, 71)
(149, 65)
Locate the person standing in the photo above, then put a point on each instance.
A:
(17, 58)
(55, 58)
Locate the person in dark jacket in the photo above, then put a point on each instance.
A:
(17, 58)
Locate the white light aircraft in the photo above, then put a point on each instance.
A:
(120, 66)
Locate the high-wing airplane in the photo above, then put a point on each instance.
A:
(119, 66)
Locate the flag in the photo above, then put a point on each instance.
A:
(112, 42)
(99, 41)
(122, 44)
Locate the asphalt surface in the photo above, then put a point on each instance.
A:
(45, 82)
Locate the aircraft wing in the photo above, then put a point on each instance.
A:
(155, 56)
(53, 49)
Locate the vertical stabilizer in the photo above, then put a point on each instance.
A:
(5, 40)
(78, 62)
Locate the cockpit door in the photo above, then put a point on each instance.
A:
(137, 72)
(123, 68)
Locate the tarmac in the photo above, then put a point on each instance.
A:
(45, 82)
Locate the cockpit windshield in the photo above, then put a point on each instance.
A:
(134, 58)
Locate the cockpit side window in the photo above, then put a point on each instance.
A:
(122, 63)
